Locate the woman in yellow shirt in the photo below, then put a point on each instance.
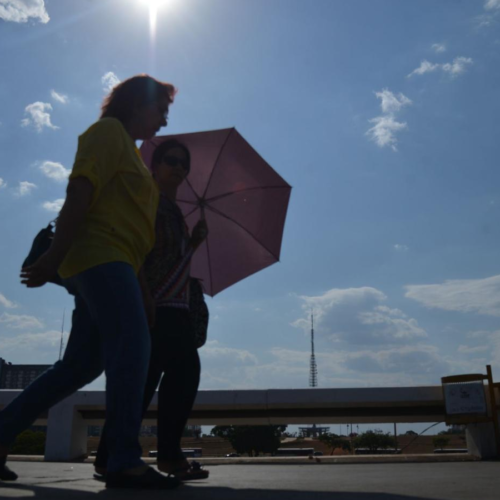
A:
(104, 232)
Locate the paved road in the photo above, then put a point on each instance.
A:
(437, 481)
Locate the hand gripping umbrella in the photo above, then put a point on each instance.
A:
(244, 202)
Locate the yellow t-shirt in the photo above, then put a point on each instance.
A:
(120, 223)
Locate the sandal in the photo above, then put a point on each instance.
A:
(150, 480)
(5, 473)
(191, 471)
(99, 472)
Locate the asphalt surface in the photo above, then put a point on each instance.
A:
(403, 481)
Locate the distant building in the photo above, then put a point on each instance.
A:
(94, 430)
(148, 431)
(19, 376)
(189, 431)
(194, 430)
(457, 428)
(313, 431)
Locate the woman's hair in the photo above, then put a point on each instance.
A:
(166, 146)
(134, 92)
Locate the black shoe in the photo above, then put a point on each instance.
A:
(150, 480)
(5, 473)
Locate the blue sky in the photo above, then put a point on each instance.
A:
(383, 116)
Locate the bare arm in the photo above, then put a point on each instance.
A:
(200, 233)
(78, 198)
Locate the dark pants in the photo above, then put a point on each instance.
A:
(109, 332)
(175, 356)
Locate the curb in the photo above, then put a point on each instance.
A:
(340, 459)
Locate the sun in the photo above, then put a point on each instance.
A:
(154, 6)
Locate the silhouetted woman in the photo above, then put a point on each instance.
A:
(174, 354)
(104, 232)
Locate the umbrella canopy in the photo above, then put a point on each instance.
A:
(243, 200)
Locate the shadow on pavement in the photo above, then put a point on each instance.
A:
(191, 492)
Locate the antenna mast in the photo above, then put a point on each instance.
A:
(313, 374)
(61, 345)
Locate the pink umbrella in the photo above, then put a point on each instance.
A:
(243, 200)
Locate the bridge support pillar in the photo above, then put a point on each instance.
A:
(66, 433)
(481, 440)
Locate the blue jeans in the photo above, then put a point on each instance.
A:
(174, 360)
(109, 332)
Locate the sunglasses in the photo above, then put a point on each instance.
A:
(173, 161)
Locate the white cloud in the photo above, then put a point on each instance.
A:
(19, 322)
(25, 188)
(455, 68)
(227, 367)
(287, 368)
(486, 20)
(458, 65)
(385, 126)
(30, 341)
(109, 80)
(487, 352)
(6, 302)
(391, 323)
(479, 296)
(438, 47)
(54, 206)
(38, 116)
(62, 98)
(468, 350)
(358, 316)
(425, 67)
(401, 248)
(390, 102)
(494, 339)
(214, 350)
(384, 130)
(3, 184)
(492, 5)
(406, 359)
(406, 363)
(478, 334)
(55, 171)
(20, 11)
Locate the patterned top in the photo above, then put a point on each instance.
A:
(167, 267)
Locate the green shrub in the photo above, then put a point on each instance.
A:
(374, 440)
(440, 442)
(29, 443)
(251, 439)
(333, 442)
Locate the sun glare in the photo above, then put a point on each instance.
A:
(154, 6)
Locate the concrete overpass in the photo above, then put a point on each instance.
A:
(67, 422)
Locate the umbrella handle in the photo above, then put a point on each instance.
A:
(202, 210)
